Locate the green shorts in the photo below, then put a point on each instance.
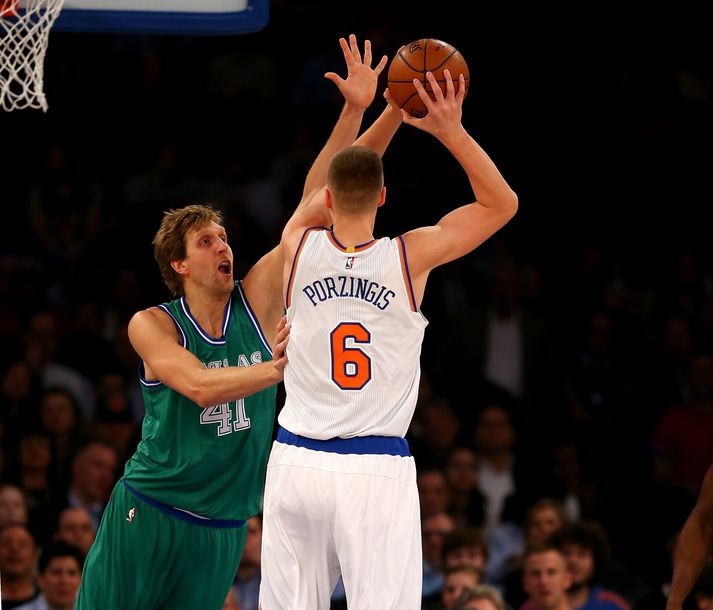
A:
(146, 559)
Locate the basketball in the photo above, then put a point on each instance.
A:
(413, 61)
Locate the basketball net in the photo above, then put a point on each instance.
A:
(24, 35)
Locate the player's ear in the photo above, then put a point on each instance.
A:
(382, 197)
(179, 266)
(328, 198)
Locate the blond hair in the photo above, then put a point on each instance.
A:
(170, 240)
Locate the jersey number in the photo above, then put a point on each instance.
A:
(351, 367)
(222, 415)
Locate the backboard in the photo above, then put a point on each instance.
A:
(187, 17)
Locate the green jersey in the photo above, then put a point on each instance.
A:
(210, 462)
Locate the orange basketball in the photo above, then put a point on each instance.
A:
(413, 61)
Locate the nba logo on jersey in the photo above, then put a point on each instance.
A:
(350, 262)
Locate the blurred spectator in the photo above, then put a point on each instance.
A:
(466, 546)
(18, 402)
(94, 473)
(17, 566)
(545, 579)
(63, 421)
(434, 431)
(13, 505)
(543, 518)
(434, 530)
(41, 344)
(586, 550)
(33, 476)
(684, 432)
(467, 502)
(75, 527)
(114, 420)
(506, 481)
(482, 597)
(59, 575)
(457, 580)
(510, 347)
(432, 491)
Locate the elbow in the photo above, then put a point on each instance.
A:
(512, 204)
(202, 394)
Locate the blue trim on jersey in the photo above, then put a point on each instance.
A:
(336, 241)
(294, 261)
(163, 307)
(408, 272)
(204, 335)
(359, 445)
(184, 515)
(149, 383)
(253, 318)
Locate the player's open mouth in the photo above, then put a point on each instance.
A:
(225, 268)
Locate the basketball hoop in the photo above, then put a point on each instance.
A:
(24, 35)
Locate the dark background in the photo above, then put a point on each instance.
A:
(598, 115)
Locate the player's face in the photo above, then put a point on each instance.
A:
(545, 579)
(580, 563)
(209, 259)
(60, 581)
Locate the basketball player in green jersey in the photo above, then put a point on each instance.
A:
(173, 531)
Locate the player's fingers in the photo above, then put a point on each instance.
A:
(367, 52)
(382, 64)
(435, 87)
(461, 89)
(346, 51)
(450, 89)
(356, 55)
(422, 93)
(334, 77)
(282, 323)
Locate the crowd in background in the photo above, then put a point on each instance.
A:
(567, 370)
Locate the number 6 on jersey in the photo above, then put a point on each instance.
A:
(351, 367)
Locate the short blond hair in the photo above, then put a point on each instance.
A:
(355, 178)
(170, 240)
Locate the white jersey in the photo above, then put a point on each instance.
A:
(355, 341)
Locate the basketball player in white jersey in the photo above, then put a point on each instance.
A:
(341, 495)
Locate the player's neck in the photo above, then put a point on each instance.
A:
(208, 310)
(353, 230)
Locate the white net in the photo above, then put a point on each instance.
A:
(24, 35)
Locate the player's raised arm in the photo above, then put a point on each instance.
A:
(153, 336)
(263, 283)
(694, 545)
(465, 228)
(358, 89)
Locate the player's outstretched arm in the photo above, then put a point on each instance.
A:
(153, 336)
(263, 283)
(358, 89)
(465, 228)
(694, 545)
(379, 135)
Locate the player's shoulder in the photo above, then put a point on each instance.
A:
(157, 316)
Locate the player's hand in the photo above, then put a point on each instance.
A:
(391, 101)
(359, 88)
(279, 355)
(444, 112)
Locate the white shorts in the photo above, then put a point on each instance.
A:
(326, 514)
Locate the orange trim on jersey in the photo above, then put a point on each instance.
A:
(350, 249)
(406, 273)
(288, 293)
